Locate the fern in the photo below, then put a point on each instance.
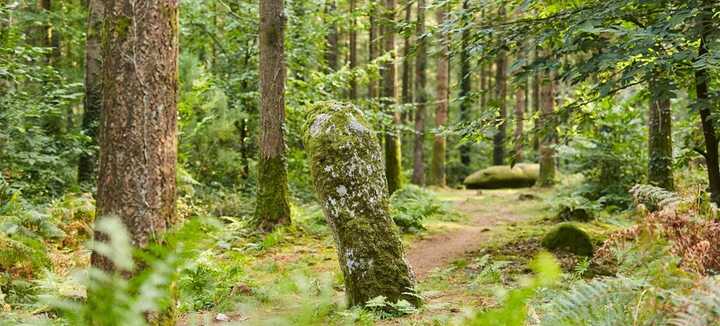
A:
(701, 307)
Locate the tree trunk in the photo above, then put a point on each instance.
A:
(347, 172)
(547, 135)
(93, 90)
(421, 96)
(372, 48)
(660, 171)
(393, 161)
(702, 80)
(353, 52)
(536, 108)
(272, 206)
(441, 114)
(519, 123)
(407, 94)
(500, 98)
(465, 84)
(331, 51)
(138, 145)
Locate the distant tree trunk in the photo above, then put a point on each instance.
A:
(372, 48)
(702, 80)
(393, 160)
(421, 96)
(353, 52)
(519, 123)
(500, 98)
(547, 135)
(93, 89)
(465, 83)
(660, 171)
(407, 94)
(483, 76)
(331, 50)
(536, 108)
(441, 112)
(347, 173)
(272, 207)
(138, 145)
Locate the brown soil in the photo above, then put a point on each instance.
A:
(441, 249)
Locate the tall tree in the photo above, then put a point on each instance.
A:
(500, 98)
(536, 107)
(465, 81)
(272, 206)
(353, 51)
(93, 89)
(660, 171)
(705, 103)
(519, 122)
(441, 111)
(373, 45)
(547, 134)
(421, 96)
(407, 86)
(393, 160)
(331, 39)
(138, 145)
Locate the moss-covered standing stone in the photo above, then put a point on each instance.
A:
(346, 163)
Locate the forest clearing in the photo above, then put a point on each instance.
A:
(352, 162)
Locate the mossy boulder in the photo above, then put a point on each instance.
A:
(569, 238)
(503, 176)
(346, 164)
(579, 214)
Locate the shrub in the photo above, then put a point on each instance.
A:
(410, 205)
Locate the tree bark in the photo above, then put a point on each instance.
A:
(547, 135)
(347, 172)
(500, 98)
(465, 83)
(138, 145)
(331, 41)
(93, 90)
(660, 171)
(272, 206)
(702, 80)
(393, 160)
(536, 104)
(353, 52)
(441, 111)
(421, 96)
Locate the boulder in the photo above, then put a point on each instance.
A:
(568, 237)
(502, 176)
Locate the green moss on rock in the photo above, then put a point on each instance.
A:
(346, 164)
(502, 176)
(569, 238)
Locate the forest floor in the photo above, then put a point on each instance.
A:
(461, 262)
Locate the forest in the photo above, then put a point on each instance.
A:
(360, 162)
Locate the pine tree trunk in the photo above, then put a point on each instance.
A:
(407, 87)
(421, 96)
(441, 112)
(353, 52)
(702, 80)
(272, 207)
(331, 51)
(547, 135)
(536, 104)
(393, 160)
(347, 171)
(500, 98)
(138, 145)
(465, 84)
(93, 90)
(660, 171)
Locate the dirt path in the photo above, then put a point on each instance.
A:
(485, 211)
